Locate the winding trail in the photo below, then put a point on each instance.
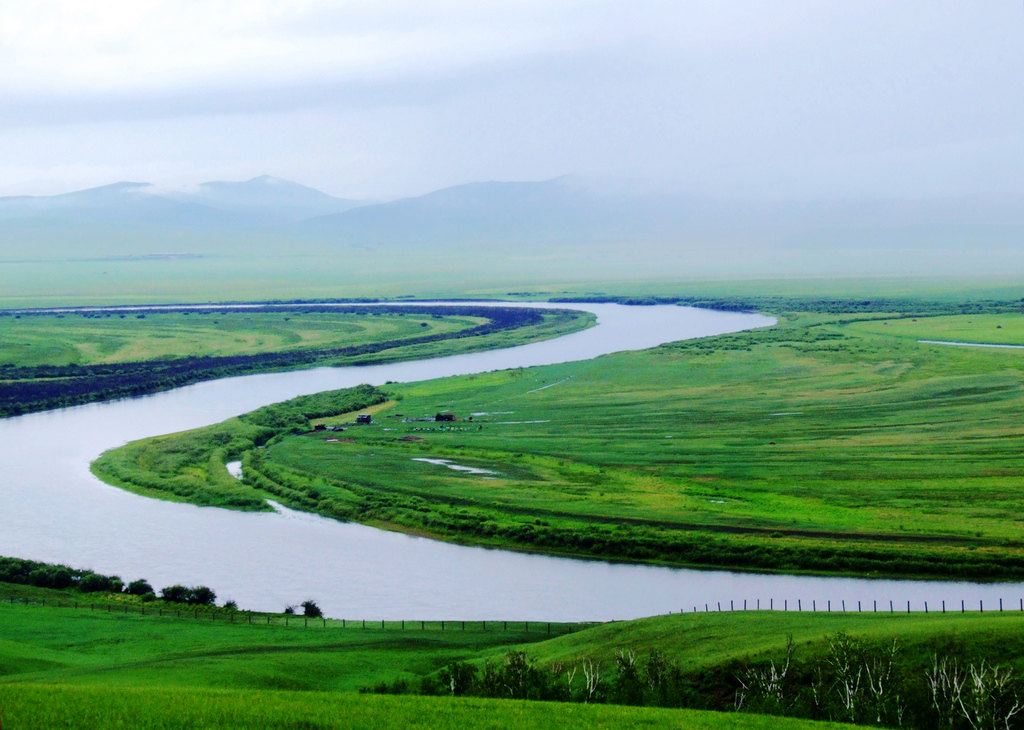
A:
(53, 509)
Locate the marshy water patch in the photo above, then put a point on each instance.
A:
(448, 463)
(234, 469)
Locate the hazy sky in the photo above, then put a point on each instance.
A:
(781, 98)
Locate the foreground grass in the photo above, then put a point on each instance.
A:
(71, 667)
(49, 706)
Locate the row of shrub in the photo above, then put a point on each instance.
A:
(49, 575)
(850, 681)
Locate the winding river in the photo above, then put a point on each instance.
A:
(53, 509)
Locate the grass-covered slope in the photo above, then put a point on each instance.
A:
(63, 666)
(824, 444)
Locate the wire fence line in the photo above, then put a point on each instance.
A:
(254, 618)
(842, 606)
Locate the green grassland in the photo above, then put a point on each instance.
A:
(77, 667)
(824, 444)
(53, 359)
(49, 706)
(90, 339)
(998, 329)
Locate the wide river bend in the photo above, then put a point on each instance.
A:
(53, 509)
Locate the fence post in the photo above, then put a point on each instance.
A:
(382, 623)
(874, 605)
(719, 606)
(403, 624)
(758, 604)
(943, 605)
(844, 605)
(908, 606)
(442, 626)
(814, 605)
(744, 604)
(830, 605)
(890, 607)
(785, 604)
(962, 609)
(730, 604)
(858, 606)
(799, 605)
(1000, 605)
(926, 606)
(981, 606)
(771, 603)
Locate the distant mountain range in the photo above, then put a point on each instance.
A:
(563, 215)
(261, 201)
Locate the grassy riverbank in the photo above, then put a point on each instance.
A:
(76, 666)
(51, 359)
(825, 444)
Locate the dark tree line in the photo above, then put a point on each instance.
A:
(48, 575)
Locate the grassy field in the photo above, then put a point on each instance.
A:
(92, 339)
(51, 359)
(999, 329)
(88, 668)
(825, 444)
(49, 706)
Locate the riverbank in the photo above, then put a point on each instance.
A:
(57, 358)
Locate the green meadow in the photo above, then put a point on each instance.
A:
(830, 443)
(83, 667)
(104, 338)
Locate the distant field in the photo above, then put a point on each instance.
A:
(49, 360)
(818, 445)
(1000, 329)
(92, 339)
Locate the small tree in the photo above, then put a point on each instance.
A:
(311, 610)
(139, 587)
(176, 594)
(203, 596)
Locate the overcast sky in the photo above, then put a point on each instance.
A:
(377, 99)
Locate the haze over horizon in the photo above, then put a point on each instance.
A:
(844, 100)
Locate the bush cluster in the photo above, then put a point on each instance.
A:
(850, 681)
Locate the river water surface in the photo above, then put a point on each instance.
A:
(53, 509)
